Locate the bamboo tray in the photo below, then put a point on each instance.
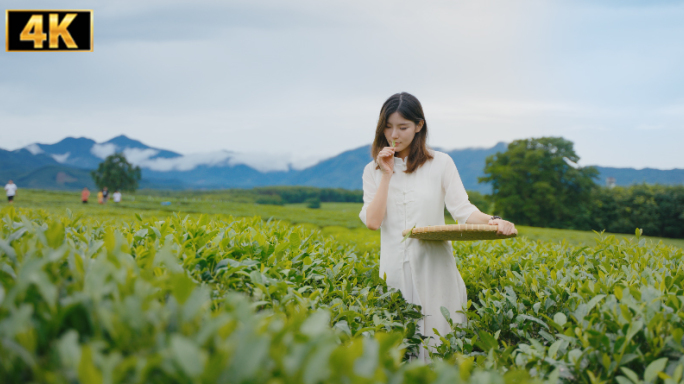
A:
(456, 232)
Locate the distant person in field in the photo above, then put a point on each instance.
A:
(116, 196)
(406, 185)
(100, 197)
(85, 194)
(105, 194)
(11, 190)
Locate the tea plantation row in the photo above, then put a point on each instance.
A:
(180, 300)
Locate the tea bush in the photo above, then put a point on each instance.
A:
(609, 313)
(245, 301)
(177, 300)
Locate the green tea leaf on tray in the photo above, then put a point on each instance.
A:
(408, 234)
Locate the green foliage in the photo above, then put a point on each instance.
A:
(296, 194)
(203, 299)
(340, 220)
(608, 313)
(313, 202)
(533, 184)
(165, 301)
(270, 199)
(658, 209)
(116, 173)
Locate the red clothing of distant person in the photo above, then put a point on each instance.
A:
(85, 195)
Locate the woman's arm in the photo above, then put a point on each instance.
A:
(376, 210)
(461, 209)
(505, 227)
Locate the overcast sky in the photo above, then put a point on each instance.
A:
(305, 79)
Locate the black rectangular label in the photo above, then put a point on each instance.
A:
(49, 30)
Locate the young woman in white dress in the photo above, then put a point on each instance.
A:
(409, 185)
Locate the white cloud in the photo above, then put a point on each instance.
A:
(186, 163)
(61, 158)
(301, 162)
(672, 110)
(649, 127)
(103, 150)
(259, 161)
(34, 149)
(138, 155)
(571, 163)
(309, 77)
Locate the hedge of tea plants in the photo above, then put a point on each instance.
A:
(180, 300)
(608, 313)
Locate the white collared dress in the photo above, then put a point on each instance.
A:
(424, 271)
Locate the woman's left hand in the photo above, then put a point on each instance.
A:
(505, 227)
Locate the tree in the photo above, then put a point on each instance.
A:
(538, 182)
(313, 202)
(117, 173)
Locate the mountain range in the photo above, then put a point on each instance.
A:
(67, 165)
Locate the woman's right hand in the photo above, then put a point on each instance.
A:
(386, 160)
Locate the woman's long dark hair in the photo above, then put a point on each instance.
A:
(410, 109)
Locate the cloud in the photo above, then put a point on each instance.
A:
(471, 109)
(260, 162)
(139, 155)
(34, 149)
(649, 127)
(672, 110)
(187, 162)
(103, 150)
(61, 158)
(309, 77)
(571, 163)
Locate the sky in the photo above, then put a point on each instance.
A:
(303, 80)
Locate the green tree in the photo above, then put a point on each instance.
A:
(537, 182)
(657, 209)
(313, 202)
(115, 172)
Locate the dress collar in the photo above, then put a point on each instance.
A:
(400, 161)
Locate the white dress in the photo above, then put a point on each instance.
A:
(424, 271)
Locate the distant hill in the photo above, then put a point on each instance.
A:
(123, 141)
(85, 153)
(629, 176)
(66, 165)
(16, 163)
(59, 177)
(345, 169)
(70, 151)
(341, 171)
(470, 163)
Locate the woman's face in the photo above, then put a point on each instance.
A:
(402, 131)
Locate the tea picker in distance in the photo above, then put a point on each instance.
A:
(409, 184)
(116, 196)
(11, 191)
(85, 194)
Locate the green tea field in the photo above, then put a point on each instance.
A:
(213, 288)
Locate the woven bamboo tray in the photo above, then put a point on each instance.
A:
(457, 232)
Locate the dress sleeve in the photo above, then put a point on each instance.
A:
(455, 196)
(370, 187)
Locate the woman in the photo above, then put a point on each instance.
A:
(408, 185)
(85, 194)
